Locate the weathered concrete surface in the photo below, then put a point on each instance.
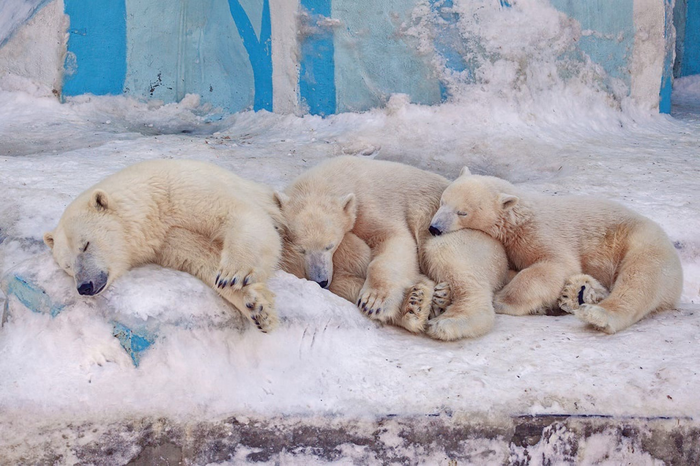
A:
(436, 439)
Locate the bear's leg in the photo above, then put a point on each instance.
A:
(199, 256)
(650, 278)
(581, 289)
(474, 265)
(535, 289)
(350, 263)
(251, 250)
(391, 273)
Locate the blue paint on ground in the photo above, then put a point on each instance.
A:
(32, 296)
(134, 342)
(259, 51)
(96, 59)
(691, 45)
(317, 63)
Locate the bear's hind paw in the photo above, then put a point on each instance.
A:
(596, 316)
(579, 290)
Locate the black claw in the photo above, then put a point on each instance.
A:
(246, 280)
(358, 301)
(250, 305)
(378, 310)
(218, 275)
(235, 279)
(580, 295)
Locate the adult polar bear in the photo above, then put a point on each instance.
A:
(389, 206)
(627, 253)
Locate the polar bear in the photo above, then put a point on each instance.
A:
(168, 212)
(549, 239)
(389, 205)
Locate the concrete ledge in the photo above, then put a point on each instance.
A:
(438, 439)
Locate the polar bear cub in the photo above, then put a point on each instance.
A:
(184, 214)
(549, 239)
(388, 206)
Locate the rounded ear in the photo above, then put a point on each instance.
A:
(465, 171)
(48, 239)
(507, 201)
(280, 199)
(99, 200)
(349, 204)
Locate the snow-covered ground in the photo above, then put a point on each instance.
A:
(326, 359)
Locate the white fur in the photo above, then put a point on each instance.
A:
(388, 206)
(187, 215)
(549, 239)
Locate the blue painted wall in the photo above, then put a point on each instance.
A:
(96, 59)
(353, 54)
(691, 43)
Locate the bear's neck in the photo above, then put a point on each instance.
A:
(514, 224)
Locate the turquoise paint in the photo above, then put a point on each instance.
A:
(259, 51)
(134, 342)
(374, 60)
(32, 296)
(449, 43)
(96, 59)
(176, 48)
(611, 38)
(691, 44)
(667, 73)
(317, 62)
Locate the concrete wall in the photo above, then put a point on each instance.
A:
(329, 56)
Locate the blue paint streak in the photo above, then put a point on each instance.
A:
(317, 64)
(133, 342)
(667, 74)
(98, 42)
(259, 51)
(32, 296)
(505, 3)
(448, 41)
(691, 44)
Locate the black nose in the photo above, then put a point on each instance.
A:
(434, 231)
(323, 284)
(86, 289)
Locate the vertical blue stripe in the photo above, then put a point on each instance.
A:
(317, 64)
(448, 41)
(96, 60)
(667, 72)
(691, 46)
(259, 51)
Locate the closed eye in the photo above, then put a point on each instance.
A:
(461, 214)
(329, 247)
(86, 246)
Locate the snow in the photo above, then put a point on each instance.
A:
(326, 359)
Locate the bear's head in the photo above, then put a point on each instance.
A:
(89, 242)
(474, 202)
(315, 228)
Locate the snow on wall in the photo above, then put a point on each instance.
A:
(329, 56)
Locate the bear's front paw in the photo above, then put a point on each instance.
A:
(442, 297)
(234, 277)
(259, 302)
(377, 304)
(596, 316)
(581, 289)
(416, 308)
